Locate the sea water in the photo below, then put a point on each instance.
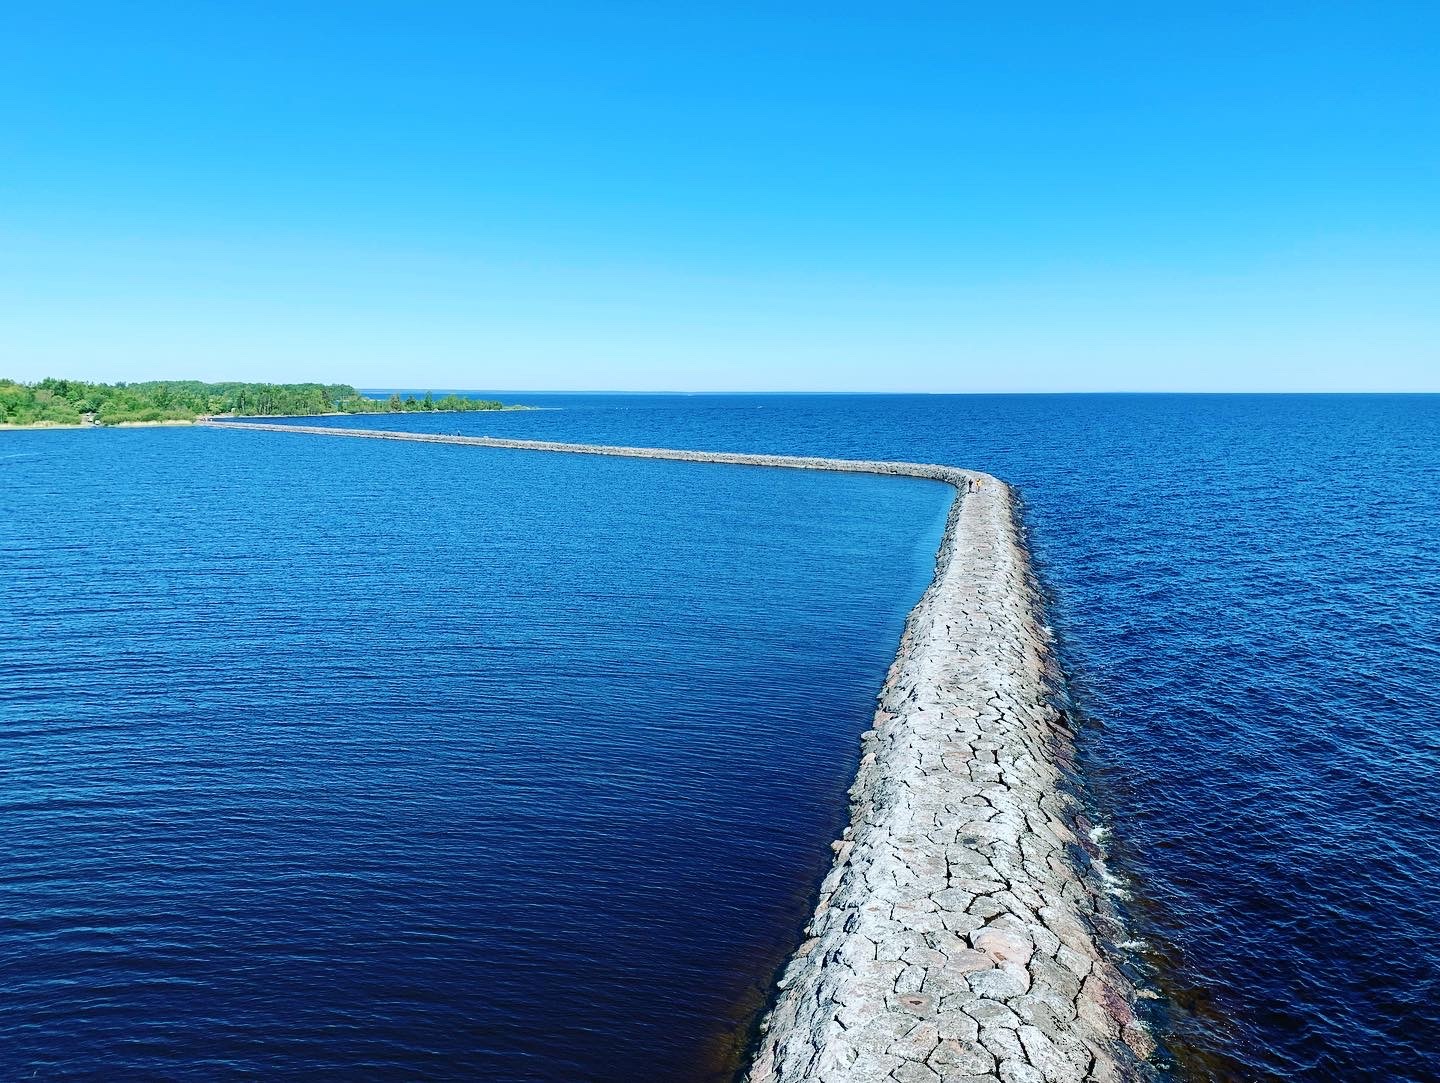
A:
(445, 761)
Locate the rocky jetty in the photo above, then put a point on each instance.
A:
(790, 462)
(964, 933)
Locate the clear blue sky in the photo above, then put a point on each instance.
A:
(724, 196)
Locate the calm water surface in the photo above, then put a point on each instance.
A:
(439, 760)
(357, 759)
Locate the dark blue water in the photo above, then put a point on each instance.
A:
(1247, 589)
(347, 758)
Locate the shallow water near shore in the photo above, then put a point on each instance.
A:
(445, 760)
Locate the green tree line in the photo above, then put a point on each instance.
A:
(71, 402)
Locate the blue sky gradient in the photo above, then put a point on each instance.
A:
(767, 197)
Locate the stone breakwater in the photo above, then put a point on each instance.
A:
(964, 932)
(947, 474)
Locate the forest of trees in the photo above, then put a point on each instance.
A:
(71, 402)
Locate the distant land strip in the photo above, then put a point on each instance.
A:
(965, 931)
(53, 403)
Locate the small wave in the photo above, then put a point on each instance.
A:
(1114, 886)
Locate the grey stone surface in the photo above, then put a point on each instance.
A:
(961, 933)
(966, 833)
(790, 462)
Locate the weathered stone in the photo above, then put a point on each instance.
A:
(1038, 1012)
(961, 923)
(991, 1013)
(958, 1026)
(1071, 960)
(1002, 945)
(917, 956)
(1004, 1044)
(1001, 983)
(912, 980)
(1049, 1058)
(917, 1043)
(967, 961)
(916, 1003)
(1139, 1040)
(1017, 1071)
(1102, 1007)
(985, 907)
(871, 1066)
(955, 1055)
(911, 1072)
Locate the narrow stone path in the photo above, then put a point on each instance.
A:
(964, 933)
(948, 474)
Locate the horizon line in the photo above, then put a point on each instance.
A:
(734, 391)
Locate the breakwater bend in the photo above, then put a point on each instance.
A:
(964, 931)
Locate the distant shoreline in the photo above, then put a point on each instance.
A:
(4, 427)
(61, 403)
(96, 425)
